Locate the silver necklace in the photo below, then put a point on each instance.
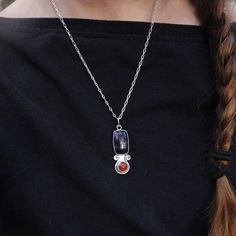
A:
(120, 135)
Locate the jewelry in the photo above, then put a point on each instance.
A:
(120, 135)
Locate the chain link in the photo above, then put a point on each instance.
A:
(118, 118)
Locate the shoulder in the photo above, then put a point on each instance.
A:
(13, 10)
(27, 9)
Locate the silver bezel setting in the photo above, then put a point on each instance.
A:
(122, 172)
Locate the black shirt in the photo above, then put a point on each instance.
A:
(57, 175)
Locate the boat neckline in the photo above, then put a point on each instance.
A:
(104, 26)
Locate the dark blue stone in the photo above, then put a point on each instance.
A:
(121, 142)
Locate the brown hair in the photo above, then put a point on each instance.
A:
(222, 214)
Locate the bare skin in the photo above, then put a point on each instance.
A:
(169, 11)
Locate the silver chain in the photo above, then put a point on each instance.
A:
(90, 73)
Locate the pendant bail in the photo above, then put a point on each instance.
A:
(119, 126)
(118, 121)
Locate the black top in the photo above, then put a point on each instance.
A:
(57, 171)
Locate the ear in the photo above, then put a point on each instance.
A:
(230, 10)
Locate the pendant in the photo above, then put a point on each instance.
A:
(121, 149)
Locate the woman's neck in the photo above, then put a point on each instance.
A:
(169, 11)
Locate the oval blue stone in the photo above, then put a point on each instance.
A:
(120, 141)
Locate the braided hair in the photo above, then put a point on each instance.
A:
(221, 31)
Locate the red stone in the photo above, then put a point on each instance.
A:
(122, 166)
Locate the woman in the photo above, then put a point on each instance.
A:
(161, 74)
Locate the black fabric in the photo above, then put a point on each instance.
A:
(57, 173)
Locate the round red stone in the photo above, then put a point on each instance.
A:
(122, 166)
